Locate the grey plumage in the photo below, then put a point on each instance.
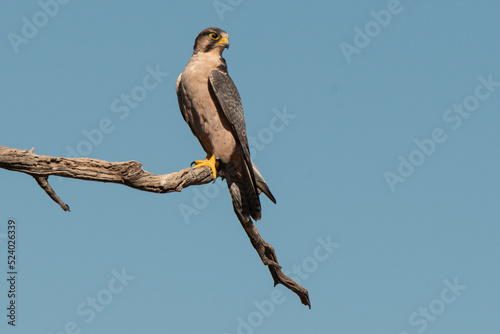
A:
(230, 102)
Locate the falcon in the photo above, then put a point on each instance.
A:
(211, 106)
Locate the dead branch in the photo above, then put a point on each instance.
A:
(269, 258)
(131, 174)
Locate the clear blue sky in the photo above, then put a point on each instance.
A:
(375, 123)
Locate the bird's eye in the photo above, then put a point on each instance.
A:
(214, 36)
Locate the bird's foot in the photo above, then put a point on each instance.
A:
(210, 162)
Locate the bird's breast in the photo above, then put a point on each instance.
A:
(208, 123)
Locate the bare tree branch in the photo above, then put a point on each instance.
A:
(131, 174)
(269, 258)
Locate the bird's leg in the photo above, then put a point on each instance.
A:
(210, 162)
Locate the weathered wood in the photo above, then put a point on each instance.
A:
(269, 258)
(43, 181)
(131, 174)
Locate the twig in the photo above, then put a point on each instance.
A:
(43, 182)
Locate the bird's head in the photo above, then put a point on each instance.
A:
(211, 40)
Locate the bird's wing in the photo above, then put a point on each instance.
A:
(230, 101)
(178, 89)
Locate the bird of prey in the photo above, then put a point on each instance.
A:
(211, 106)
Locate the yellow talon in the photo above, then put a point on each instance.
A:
(208, 162)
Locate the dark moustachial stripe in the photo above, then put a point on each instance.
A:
(209, 47)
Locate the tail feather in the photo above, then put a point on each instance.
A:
(243, 192)
(245, 186)
(262, 185)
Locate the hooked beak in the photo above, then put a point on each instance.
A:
(224, 42)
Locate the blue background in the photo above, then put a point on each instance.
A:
(354, 117)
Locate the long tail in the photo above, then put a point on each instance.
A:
(245, 186)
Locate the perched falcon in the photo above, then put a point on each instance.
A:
(211, 106)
